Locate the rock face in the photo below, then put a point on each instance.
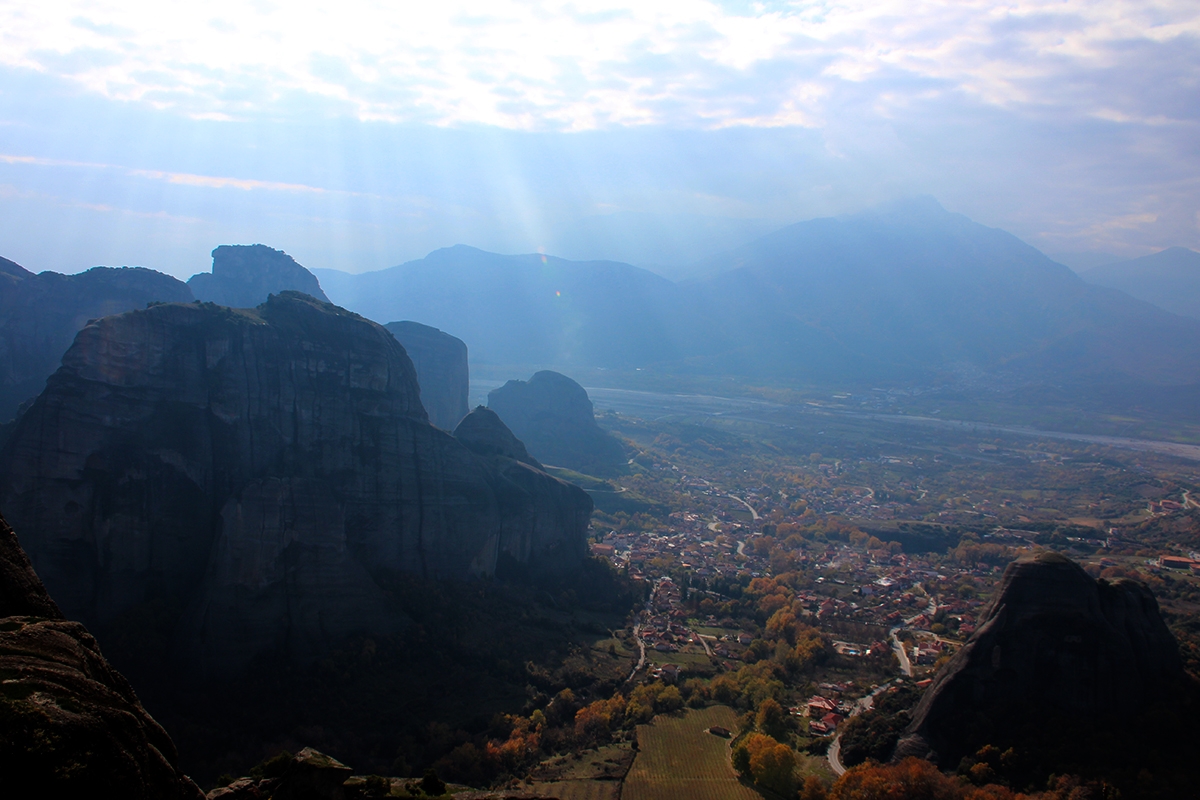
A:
(535, 509)
(244, 274)
(553, 416)
(70, 725)
(441, 362)
(40, 315)
(262, 471)
(484, 433)
(1053, 641)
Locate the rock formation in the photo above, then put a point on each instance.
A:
(538, 509)
(40, 315)
(264, 471)
(1053, 642)
(553, 416)
(244, 274)
(441, 362)
(70, 725)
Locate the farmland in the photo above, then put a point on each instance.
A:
(678, 759)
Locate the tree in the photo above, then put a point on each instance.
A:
(431, 784)
(767, 762)
(772, 720)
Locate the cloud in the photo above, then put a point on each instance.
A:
(182, 178)
(594, 64)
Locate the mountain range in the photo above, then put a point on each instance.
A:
(906, 292)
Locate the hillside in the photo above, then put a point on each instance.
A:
(1169, 279)
(911, 290)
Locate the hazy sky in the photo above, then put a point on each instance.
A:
(357, 135)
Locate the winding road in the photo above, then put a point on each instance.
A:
(835, 747)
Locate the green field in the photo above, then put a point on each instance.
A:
(678, 759)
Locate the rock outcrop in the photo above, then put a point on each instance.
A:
(1052, 642)
(265, 472)
(70, 725)
(441, 362)
(40, 315)
(536, 509)
(554, 417)
(243, 275)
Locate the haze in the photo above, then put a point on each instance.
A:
(362, 135)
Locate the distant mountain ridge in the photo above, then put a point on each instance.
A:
(905, 292)
(1169, 279)
(909, 289)
(527, 309)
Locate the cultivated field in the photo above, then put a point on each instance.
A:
(678, 759)
(579, 790)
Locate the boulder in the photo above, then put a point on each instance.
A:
(243, 275)
(70, 724)
(554, 417)
(442, 372)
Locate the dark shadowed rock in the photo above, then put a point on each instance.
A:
(535, 508)
(484, 433)
(40, 315)
(244, 274)
(312, 775)
(258, 473)
(1053, 642)
(441, 363)
(70, 725)
(21, 593)
(553, 416)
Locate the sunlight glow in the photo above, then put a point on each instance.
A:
(559, 65)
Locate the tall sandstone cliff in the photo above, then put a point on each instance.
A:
(1054, 644)
(442, 371)
(243, 275)
(40, 315)
(70, 724)
(554, 417)
(263, 471)
(538, 509)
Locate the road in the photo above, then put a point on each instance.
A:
(702, 639)
(637, 629)
(901, 653)
(835, 747)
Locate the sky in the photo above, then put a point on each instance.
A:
(360, 134)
